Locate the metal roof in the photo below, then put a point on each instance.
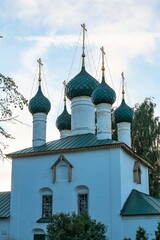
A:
(74, 144)
(139, 203)
(67, 143)
(5, 204)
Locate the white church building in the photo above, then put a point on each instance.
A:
(83, 170)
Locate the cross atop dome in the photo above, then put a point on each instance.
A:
(103, 53)
(64, 83)
(83, 46)
(123, 78)
(39, 74)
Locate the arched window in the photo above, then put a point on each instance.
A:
(137, 172)
(62, 170)
(46, 203)
(39, 234)
(82, 198)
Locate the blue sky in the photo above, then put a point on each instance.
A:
(129, 30)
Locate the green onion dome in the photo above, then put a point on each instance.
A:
(64, 120)
(123, 113)
(83, 84)
(103, 94)
(39, 103)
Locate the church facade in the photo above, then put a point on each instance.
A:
(84, 170)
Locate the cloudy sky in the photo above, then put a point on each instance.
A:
(129, 30)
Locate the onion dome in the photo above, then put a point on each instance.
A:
(63, 122)
(123, 113)
(83, 84)
(103, 94)
(39, 103)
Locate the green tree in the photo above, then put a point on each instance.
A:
(146, 140)
(75, 227)
(157, 233)
(146, 131)
(141, 234)
(10, 98)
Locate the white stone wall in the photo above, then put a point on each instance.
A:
(104, 172)
(4, 229)
(39, 129)
(131, 225)
(127, 183)
(82, 115)
(65, 133)
(124, 133)
(104, 121)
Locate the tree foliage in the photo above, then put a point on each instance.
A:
(146, 140)
(141, 234)
(75, 227)
(157, 232)
(10, 98)
(146, 131)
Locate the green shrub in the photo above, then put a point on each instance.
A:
(75, 227)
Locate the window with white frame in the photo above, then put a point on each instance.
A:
(46, 204)
(137, 172)
(82, 199)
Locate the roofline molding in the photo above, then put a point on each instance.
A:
(69, 150)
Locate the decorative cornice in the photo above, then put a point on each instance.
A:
(70, 150)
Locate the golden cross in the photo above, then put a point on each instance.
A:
(64, 83)
(83, 47)
(103, 53)
(40, 65)
(123, 92)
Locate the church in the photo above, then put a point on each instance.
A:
(84, 170)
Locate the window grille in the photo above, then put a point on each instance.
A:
(82, 203)
(46, 206)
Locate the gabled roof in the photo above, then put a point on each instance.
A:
(62, 159)
(5, 204)
(139, 203)
(74, 144)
